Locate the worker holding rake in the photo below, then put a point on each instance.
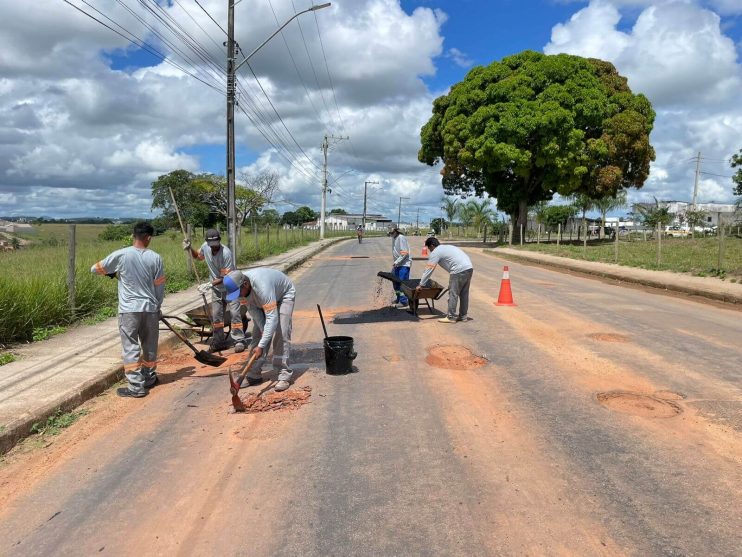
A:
(141, 289)
(402, 262)
(220, 261)
(270, 296)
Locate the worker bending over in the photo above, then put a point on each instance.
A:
(220, 261)
(459, 266)
(141, 289)
(270, 299)
(401, 265)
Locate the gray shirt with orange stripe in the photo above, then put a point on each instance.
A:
(269, 288)
(220, 264)
(451, 258)
(401, 252)
(141, 278)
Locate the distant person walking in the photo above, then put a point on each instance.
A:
(359, 233)
(459, 266)
(400, 266)
(220, 261)
(141, 289)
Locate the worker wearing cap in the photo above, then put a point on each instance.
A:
(460, 269)
(141, 289)
(220, 261)
(270, 299)
(401, 265)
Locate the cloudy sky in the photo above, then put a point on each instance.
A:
(87, 120)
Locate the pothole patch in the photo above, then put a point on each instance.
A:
(269, 402)
(609, 337)
(453, 357)
(638, 404)
(669, 395)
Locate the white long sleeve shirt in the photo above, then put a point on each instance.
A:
(269, 289)
(401, 252)
(141, 278)
(451, 258)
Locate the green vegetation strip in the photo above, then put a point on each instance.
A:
(33, 288)
(55, 423)
(683, 255)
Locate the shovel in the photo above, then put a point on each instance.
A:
(234, 386)
(201, 355)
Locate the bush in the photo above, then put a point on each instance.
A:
(116, 232)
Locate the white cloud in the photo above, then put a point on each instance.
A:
(459, 58)
(677, 54)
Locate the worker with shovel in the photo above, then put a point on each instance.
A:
(402, 262)
(460, 269)
(141, 289)
(270, 299)
(220, 261)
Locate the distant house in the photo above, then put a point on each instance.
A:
(727, 211)
(374, 223)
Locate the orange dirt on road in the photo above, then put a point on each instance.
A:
(580, 422)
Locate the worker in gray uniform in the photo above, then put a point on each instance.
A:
(220, 261)
(460, 269)
(141, 289)
(270, 299)
(401, 264)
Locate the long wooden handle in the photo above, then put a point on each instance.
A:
(249, 364)
(182, 228)
(322, 319)
(181, 337)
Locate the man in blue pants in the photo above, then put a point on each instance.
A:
(402, 264)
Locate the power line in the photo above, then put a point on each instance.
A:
(211, 18)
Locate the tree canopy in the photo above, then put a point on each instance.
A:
(299, 217)
(532, 125)
(736, 162)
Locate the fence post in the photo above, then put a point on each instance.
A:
(616, 242)
(720, 264)
(521, 234)
(255, 235)
(538, 234)
(510, 234)
(659, 244)
(559, 234)
(71, 270)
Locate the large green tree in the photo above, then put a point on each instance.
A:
(533, 125)
(189, 194)
(736, 162)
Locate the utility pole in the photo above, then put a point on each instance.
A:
(365, 194)
(399, 211)
(698, 174)
(325, 147)
(417, 221)
(231, 194)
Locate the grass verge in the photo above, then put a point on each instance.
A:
(55, 423)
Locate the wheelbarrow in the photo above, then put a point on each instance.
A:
(201, 319)
(428, 294)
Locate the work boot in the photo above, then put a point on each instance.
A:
(465, 318)
(126, 393)
(281, 386)
(239, 347)
(251, 381)
(446, 320)
(155, 381)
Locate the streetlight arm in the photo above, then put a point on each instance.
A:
(277, 31)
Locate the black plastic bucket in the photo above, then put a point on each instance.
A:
(339, 355)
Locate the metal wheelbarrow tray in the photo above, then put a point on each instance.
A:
(433, 291)
(201, 319)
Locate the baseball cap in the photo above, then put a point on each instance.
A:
(212, 237)
(232, 283)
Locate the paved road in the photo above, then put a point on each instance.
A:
(403, 458)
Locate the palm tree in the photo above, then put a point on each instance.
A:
(481, 212)
(606, 204)
(450, 207)
(465, 216)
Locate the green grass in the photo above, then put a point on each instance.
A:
(6, 358)
(57, 422)
(33, 288)
(683, 255)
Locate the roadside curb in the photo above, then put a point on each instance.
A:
(659, 283)
(20, 428)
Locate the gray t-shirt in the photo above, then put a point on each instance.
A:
(220, 264)
(451, 258)
(401, 251)
(269, 288)
(141, 278)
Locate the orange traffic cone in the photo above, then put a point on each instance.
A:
(506, 296)
(425, 251)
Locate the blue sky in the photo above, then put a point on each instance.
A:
(87, 121)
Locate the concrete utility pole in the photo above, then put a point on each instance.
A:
(399, 211)
(231, 73)
(417, 220)
(698, 175)
(325, 147)
(365, 194)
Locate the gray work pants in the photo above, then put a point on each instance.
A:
(139, 333)
(458, 288)
(217, 315)
(281, 345)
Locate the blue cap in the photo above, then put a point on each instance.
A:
(232, 282)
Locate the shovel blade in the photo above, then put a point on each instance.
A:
(209, 359)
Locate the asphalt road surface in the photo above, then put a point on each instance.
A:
(604, 421)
